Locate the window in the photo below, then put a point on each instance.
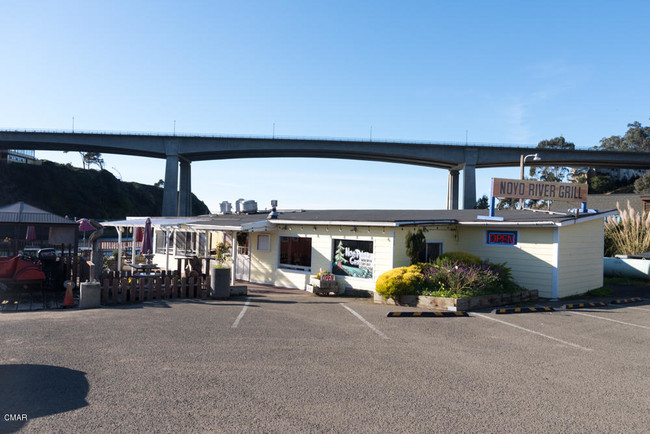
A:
(264, 242)
(295, 253)
(434, 249)
(160, 241)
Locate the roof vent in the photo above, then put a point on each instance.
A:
(225, 207)
(274, 213)
(239, 205)
(249, 207)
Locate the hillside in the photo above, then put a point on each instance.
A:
(75, 192)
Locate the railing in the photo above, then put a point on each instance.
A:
(123, 288)
(274, 137)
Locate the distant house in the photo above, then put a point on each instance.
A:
(626, 175)
(608, 202)
(9, 156)
(49, 230)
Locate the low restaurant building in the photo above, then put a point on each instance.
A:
(558, 254)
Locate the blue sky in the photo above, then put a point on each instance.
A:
(494, 72)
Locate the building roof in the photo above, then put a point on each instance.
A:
(261, 222)
(24, 213)
(419, 217)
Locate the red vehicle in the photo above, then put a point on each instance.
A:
(17, 273)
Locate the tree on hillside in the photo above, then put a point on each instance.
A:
(637, 138)
(160, 183)
(90, 158)
(482, 203)
(642, 185)
(552, 173)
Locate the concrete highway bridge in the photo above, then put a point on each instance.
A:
(179, 151)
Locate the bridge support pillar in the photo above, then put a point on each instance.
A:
(452, 189)
(469, 186)
(170, 193)
(185, 193)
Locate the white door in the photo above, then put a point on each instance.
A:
(243, 270)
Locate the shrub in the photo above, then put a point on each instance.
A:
(416, 244)
(462, 257)
(448, 278)
(400, 281)
(628, 235)
(458, 278)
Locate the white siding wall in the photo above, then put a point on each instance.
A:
(531, 260)
(264, 265)
(581, 258)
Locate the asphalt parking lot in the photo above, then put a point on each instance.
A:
(287, 361)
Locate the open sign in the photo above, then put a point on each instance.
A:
(327, 277)
(502, 238)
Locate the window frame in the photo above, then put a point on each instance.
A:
(291, 267)
(426, 248)
(268, 243)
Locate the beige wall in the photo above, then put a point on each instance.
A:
(447, 235)
(538, 261)
(580, 257)
(264, 264)
(531, 260)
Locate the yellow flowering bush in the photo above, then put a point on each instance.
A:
(400, 281)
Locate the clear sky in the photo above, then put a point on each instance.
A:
(509, 72)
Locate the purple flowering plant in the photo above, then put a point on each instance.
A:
(446, 278)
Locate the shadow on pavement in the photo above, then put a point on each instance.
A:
(31, 391)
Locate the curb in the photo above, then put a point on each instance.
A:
(523, 310)
(425, 314)
(627, 300)
(581, 305)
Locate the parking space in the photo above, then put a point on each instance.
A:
(290, 361)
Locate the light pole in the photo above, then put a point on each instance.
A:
(522, 161)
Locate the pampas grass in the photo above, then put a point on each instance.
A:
(629, 234)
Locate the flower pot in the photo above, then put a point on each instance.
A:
(220, 282)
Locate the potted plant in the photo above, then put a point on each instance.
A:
(220, 273)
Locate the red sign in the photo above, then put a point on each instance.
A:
(507, 238)
(327, 277)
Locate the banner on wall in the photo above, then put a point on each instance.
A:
(353, 258)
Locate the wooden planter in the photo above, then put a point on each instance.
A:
(460, 304)
(324, 287)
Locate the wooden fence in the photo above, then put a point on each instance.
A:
(124, 288)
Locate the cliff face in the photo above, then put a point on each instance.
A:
(75, 192)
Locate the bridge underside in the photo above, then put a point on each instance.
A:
(177, 196)
(180, 151)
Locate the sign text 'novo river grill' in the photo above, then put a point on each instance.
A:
(539, 190)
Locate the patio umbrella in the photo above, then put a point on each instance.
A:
(85, 226)
(147, 238)
(31, 234)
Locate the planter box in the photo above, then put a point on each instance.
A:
(323, 287)
(460, 304)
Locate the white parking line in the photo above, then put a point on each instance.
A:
(363, 320)
(638, 308)
(612, 320)
(241, 314)
(533, 331)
